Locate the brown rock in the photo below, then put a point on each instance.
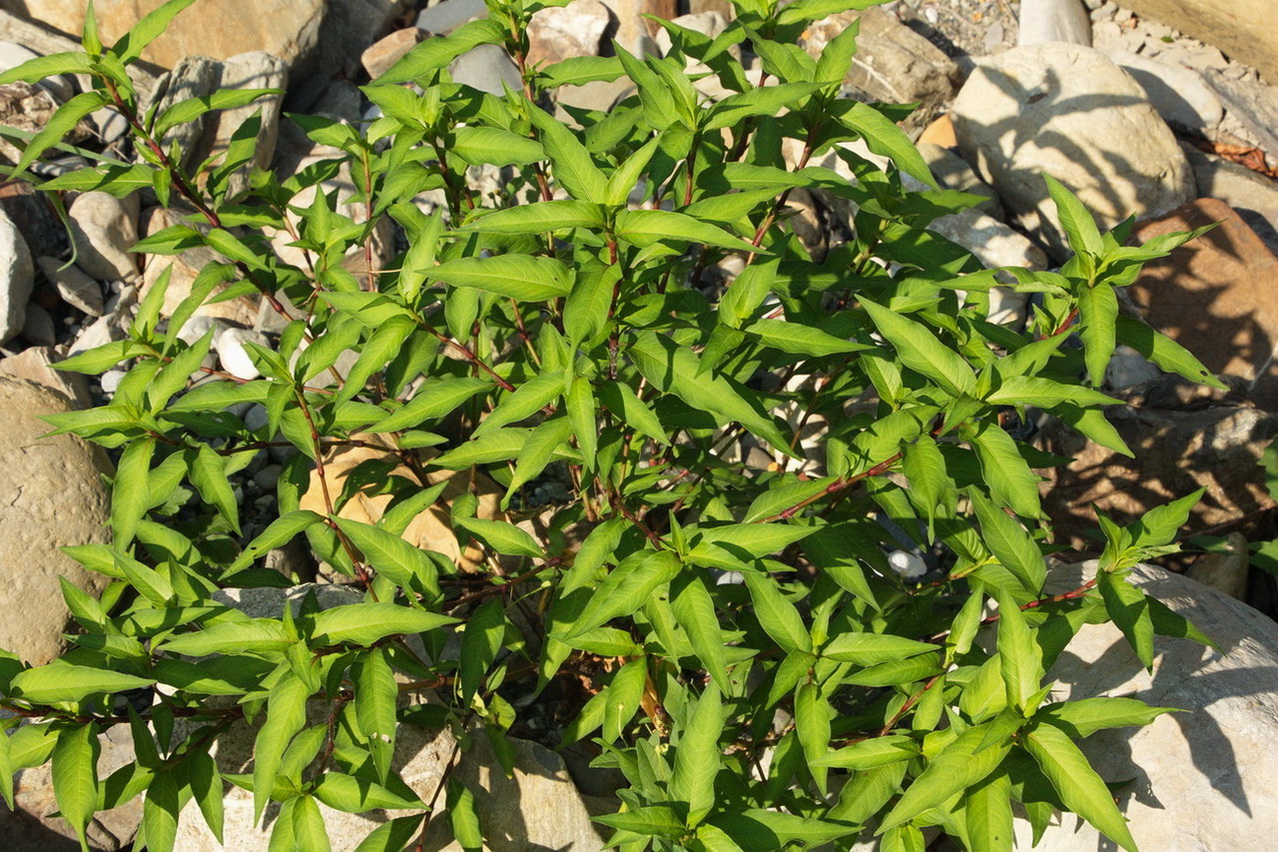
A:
(1232, 26)
(560, 32)
(1215, 295)
(940, 132)
(52, 494)
(892, 63)
(634, 31)
(35, 364)
(387, 51)
(1184, 438)
(430, 530)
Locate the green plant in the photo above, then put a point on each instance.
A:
(563, 329)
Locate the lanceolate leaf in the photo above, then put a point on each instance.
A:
(132, 494)
(1098, 307)
(514, 275)
(1080, 788)
(1128, 607)
(75, 776)
(919, 350)
(958, 766)
(365, 623)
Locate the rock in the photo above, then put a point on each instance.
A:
(104, 228)
(216, 28)
(940, 132)
(892, 63)
(953, 172)
(37, 326)
(635, 32)
(17, 279)
(76, 289)
(1070, 112)
(560, 32)
(1182, 441)
(234, 356)
(385, 52)
(1129, 369)
(994, 244)
(1228, 26)
(35, 364)
(33, 826)
(1253, 196)
(1226, 571)
(1214, 295)
(1204, 765)
(486, 68)
(443, 18)
(32, 213)
(349, 27)
(431, 530)
(28, 106)
(119, 312)
(53, 496)
(1178, 93)
(1054, 20)
(1251, 103)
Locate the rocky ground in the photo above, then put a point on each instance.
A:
(1136, 116)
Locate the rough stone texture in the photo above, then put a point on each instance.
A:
(104, 228)
(36, 221)
(1070, 112)
(29, 107)
(1203, 779)
(35, 365)
(75, 288)
(430, 530)
(1253, 196)
(33, 828)
(635, 32)
(53, 496)
(1215, 295)
(288, 29)
(385, 52)
(17, 278)
(1054, 20)
(1231, 26)
(892, 63)
(560, 32)
(1178, 93)
(1183, 437)
(1251, 105)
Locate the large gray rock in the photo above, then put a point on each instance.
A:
(1232, 26)
(17, 278)
(1178, 93)
(1070, 112)
(52, 494)
(104, 228)
(1054, 20)
(1202, 779)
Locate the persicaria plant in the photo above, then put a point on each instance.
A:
(631, 318)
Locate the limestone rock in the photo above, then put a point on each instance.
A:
(104, 228)
(1184, 437)
(486, 68)
(75, 288)
(1231, 26)
(35, 364)
(1215, 295)
(1178, 93)
(53, 496)
(1070, 112)
(443, 18)
(349, 27)
(1202, 778)
(1054, 20)
(17, 278)
(892, 62)
(28, 106)
(560, 32)
(34, 828)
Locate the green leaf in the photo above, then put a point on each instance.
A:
(1011, 544)
(587, 307)
(494, 146)
(694, 610)
(208, 475)
(1098, 307)
(285, 718)
(758, 539)
(1019, 656)
(571, 164)
(1085, 716)
(622, 698)
(885, 138)
(59, 125)
(988, 811)
(958, 766)
(812, 715)
(646, 227)
(463, 817)
(1128, 607)
(1161, 524)
(527, 400)
(697, 758)
(622, 401)
(765, 100)
(376, 701)
(160, 813)
(356, 795)
(1009, 478)
(392, 836)
(542, 217)
(75, 776)
(59, 682)
(516, 276)
(1045, 393)
(390, 554)
(627, 588)
(40, 67)
(870, 753)
(778, 617)
(366, 623)
(869, 649)
(919, 350)
(437, 397)
(131, 494)
(1166, 353)
(1080, 788)
(480, 644)
(435, 54)
(309, 832)
(188, 110)
(799, 339)
(502, 537)
(259, 635)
